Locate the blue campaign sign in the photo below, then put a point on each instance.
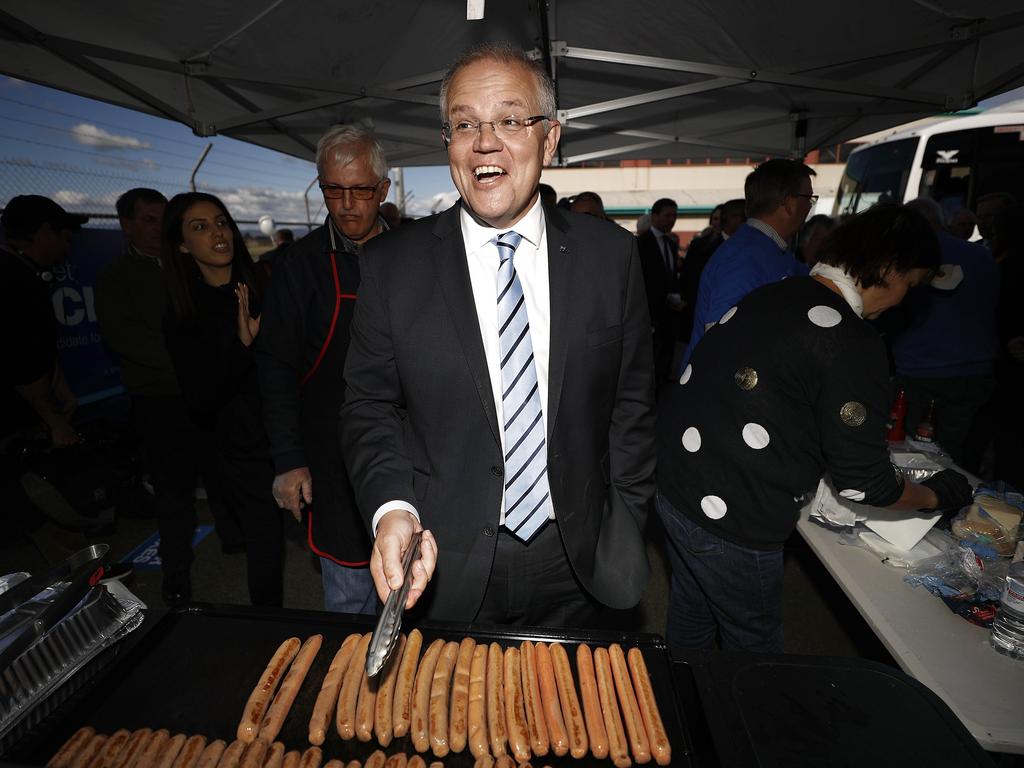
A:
(145, 557)
(91, 369)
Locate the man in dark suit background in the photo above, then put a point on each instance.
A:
(659, 251)
(499, 325)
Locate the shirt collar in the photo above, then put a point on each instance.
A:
(477, 235)
(769, 231)
(339, 241)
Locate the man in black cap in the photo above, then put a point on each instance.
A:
(37, 237)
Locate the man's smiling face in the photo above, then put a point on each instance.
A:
(498, 177)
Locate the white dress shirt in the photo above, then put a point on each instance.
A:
(531, 265)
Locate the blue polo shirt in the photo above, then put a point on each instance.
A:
(746, 261)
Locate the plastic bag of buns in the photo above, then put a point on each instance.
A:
(991, 525)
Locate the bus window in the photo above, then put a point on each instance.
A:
(875, 174)
(960, 166)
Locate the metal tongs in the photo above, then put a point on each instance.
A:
(385, 635)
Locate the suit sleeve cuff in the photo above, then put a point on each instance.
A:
(390, 506)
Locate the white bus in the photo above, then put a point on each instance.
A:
(954, 161)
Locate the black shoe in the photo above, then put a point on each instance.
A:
(177, 588)
(122, 572)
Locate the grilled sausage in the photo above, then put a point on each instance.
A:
(440, 686)
(638, 743)
(66, 754)
(535, 723)
(113, 746)
(345, 720)
(92, 750)
(147, 758)
(259, 699)
(275, 756)
(193, 751)
(211, 755)
(618, 748)
(557, 733)
(571, 711)
(596, 733)
(327, 700)
(515, 712)
(282, 704)
(458, 714)
(397, 760)
(292, 759)
(232, 754)
(384, 709)
(311, 758)
(171, 751)
(401, 711)
(419, 732)
(476, 736)
(376, 760)
(661, 750)
(366, 705)
(496, 700)
(133, 748)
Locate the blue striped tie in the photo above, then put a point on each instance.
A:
(527, 495)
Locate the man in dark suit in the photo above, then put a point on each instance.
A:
(659, 249)
(499, 387)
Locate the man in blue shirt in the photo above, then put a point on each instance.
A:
(779, 197)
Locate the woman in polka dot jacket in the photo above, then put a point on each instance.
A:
(790, 384)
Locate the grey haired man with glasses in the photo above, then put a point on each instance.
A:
(301, 354)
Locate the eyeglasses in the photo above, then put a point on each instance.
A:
(812, 198)
(335, 191)
(506, 127)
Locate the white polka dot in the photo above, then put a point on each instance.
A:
(713, 507)
(755, 436)
(727, 316)
(852, 494)
(686, 374)
(691, 439)
(824, 317)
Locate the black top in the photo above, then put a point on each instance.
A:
(29, 332)
(217, 372)
(789, 385)
(296, 322)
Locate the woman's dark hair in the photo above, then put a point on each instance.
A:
(180, 269)
(881, 238)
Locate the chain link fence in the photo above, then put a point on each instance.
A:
(94, 192)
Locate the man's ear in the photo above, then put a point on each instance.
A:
(384, 187)
(182, 248)
(551, 141)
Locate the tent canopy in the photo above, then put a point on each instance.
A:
(644, 79)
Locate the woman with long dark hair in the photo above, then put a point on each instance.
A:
(212, 319)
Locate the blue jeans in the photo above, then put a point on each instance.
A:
(347, 590)
(720, 586)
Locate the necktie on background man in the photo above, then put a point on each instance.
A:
(670, 259)
(527, 494)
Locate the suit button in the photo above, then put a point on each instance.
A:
(497, 471)
(488, 531)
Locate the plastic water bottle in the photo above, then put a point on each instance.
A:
(1008, 628)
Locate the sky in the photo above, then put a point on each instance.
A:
(83, 153)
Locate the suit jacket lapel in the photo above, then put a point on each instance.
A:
(560, 260)
(449, 256)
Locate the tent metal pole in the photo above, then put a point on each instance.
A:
(199, 162)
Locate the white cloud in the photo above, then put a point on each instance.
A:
(433, 204)
(70, 197)
(249, 203)
(94, 136)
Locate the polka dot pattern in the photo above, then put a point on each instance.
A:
(687, 372)
(714, 507)
(691, 439)
(824, 317)
(852, 494)
(755, 436)
(727, 316)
